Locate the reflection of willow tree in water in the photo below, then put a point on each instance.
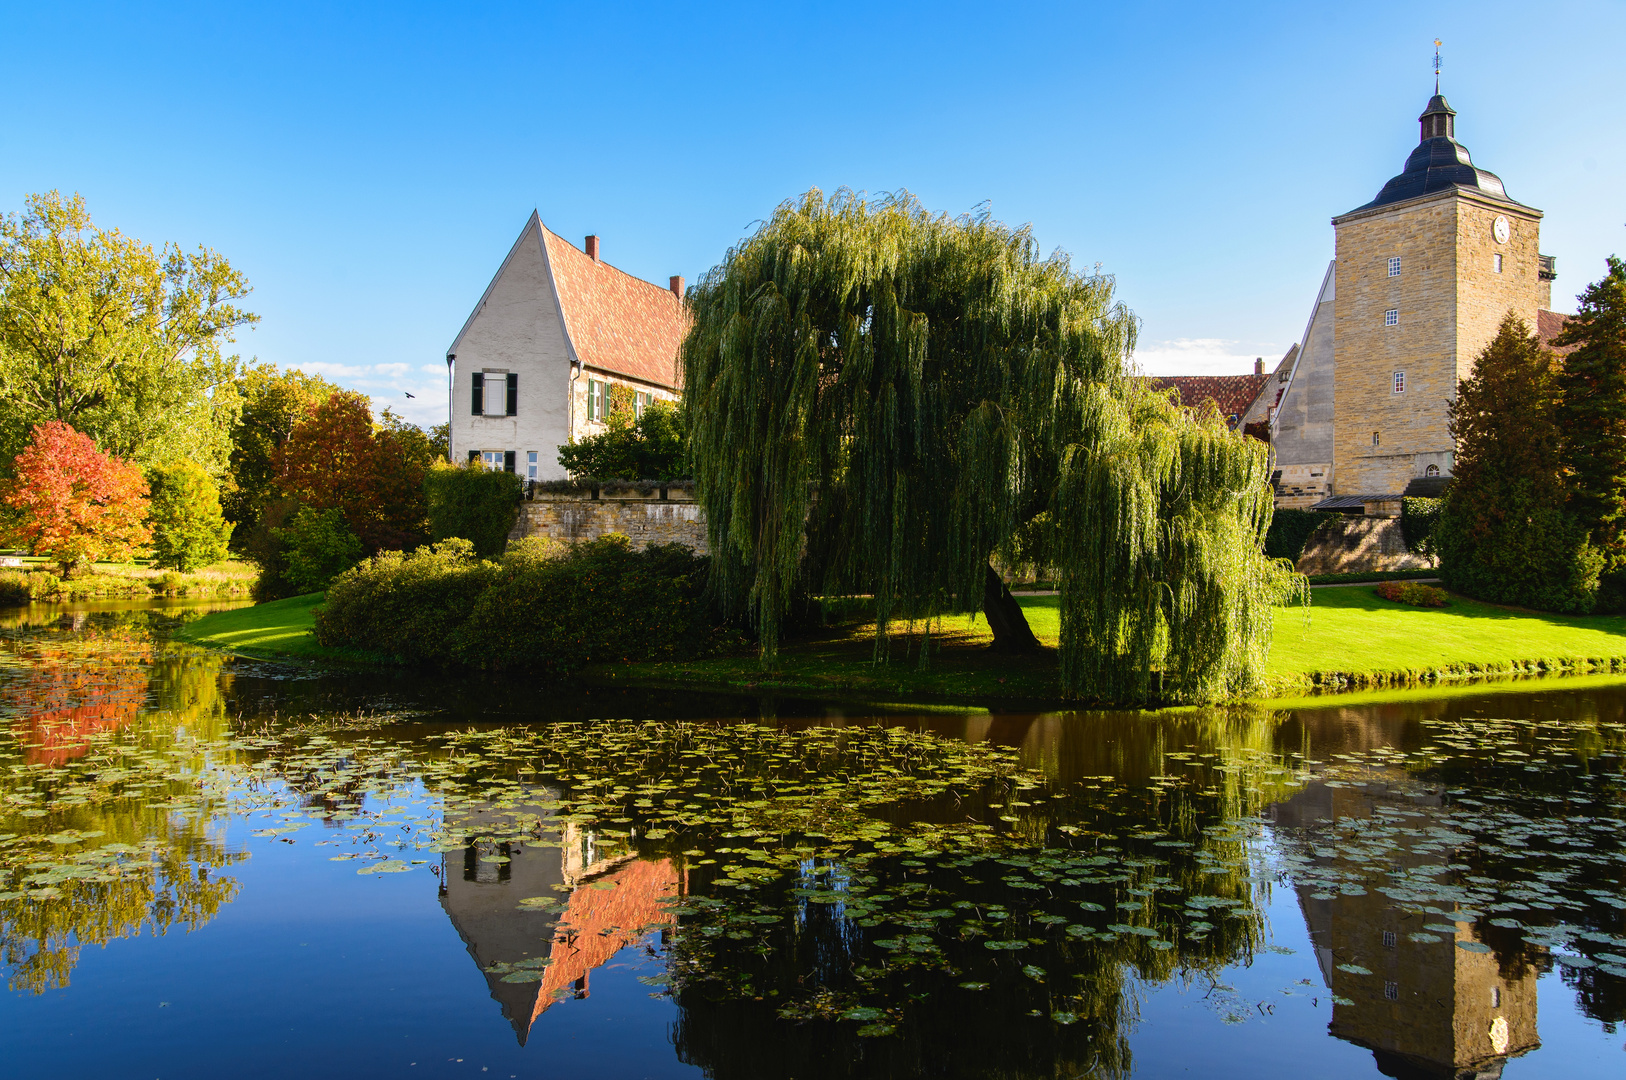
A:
(104, 832)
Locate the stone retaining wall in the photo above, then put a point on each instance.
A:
(1359, 545)
(648, 516)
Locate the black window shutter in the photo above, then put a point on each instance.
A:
(477, 402)
(513, 397)
(508, 461)
(474, 455)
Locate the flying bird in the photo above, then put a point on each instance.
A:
(409, 393)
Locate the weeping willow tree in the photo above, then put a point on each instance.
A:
(880, 400)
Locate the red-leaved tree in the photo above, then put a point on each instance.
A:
(73, 503)
(337, 459)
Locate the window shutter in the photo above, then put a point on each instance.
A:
(477, 399)
(592, 402)
(474, 455)
(513, 397)
(508, 461)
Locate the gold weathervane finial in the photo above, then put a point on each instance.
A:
(1437, 44)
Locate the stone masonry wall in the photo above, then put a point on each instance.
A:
(661, 516)
(1360, 545)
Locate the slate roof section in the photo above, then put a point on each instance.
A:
(617, 323)
(1548, 326)
(1232, 393)
(1438, 164)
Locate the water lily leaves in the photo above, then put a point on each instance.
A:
(1473, 947)
(998, 946)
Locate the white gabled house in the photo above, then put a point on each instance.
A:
(557, 327)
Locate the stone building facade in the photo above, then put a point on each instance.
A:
(539, 359)
(1421, 277)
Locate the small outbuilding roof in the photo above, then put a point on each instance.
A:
(1234, 394)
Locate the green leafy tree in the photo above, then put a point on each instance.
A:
(939, 385)
(117, 338)
(650, 447)
(188, 529)
(273, 404)
(318, 546)
(1505, 532)
(473, 503)
(1592, 412)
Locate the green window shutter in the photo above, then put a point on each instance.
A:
(477, 399)
(474, 455)
(513, 397)
(508, 461)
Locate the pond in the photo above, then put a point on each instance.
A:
(216, 865)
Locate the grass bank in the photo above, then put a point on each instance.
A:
(1350, 640)
(28, 579)
(279, 628)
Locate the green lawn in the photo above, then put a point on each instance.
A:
(278, 628)
(1352, 639)
(1352, 632)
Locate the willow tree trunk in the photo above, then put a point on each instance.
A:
(1011, 631)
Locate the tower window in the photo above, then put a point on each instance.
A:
(1389, 938)
(1391, 991)
(1497, 260)
(1400, 382)
(1394, 266)
(1391, 317)
(1496, 997)
(1376, 440)
(1432, 470)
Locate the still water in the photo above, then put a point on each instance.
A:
(212, 866)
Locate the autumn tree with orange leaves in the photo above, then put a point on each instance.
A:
(339, 459)
(72, 503)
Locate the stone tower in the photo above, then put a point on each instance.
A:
(1421, 278)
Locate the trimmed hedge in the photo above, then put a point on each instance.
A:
(474, 503)
(545, 607)
(1290, 531)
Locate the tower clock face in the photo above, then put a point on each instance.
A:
(1499, 229)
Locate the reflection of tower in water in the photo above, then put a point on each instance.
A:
(609, 903)
(1428, 1008)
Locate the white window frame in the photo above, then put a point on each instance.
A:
(1399, 384)
(531, 466)
(494, 460)
(1394, 266)
(1496, 262)
(1391, 317)
(495, 386)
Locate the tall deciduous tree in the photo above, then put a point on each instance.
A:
(73, 503)
(273, 404)
(120, 340)
(1505, 533)
(879, 399)
(337, 459)
(188, 529)
(1592, 411)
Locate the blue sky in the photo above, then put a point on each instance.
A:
(368, 166)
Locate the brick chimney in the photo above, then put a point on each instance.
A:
(591, 247)
(1259, 366)
(677, 286)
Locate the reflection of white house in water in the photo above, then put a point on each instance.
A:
(1428, 1009)
(611, 902)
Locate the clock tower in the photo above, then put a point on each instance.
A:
(1424, 274)
(1421, 278)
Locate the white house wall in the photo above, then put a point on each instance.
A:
(516, 329)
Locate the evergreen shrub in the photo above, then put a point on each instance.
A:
(544, 607)
(1290, 531)
(1414, 593)
(474, 503)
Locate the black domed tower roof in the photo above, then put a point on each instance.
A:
(1439, 163)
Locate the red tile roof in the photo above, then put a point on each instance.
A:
(618, 323)
(1232, 393)
(1548, 326)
